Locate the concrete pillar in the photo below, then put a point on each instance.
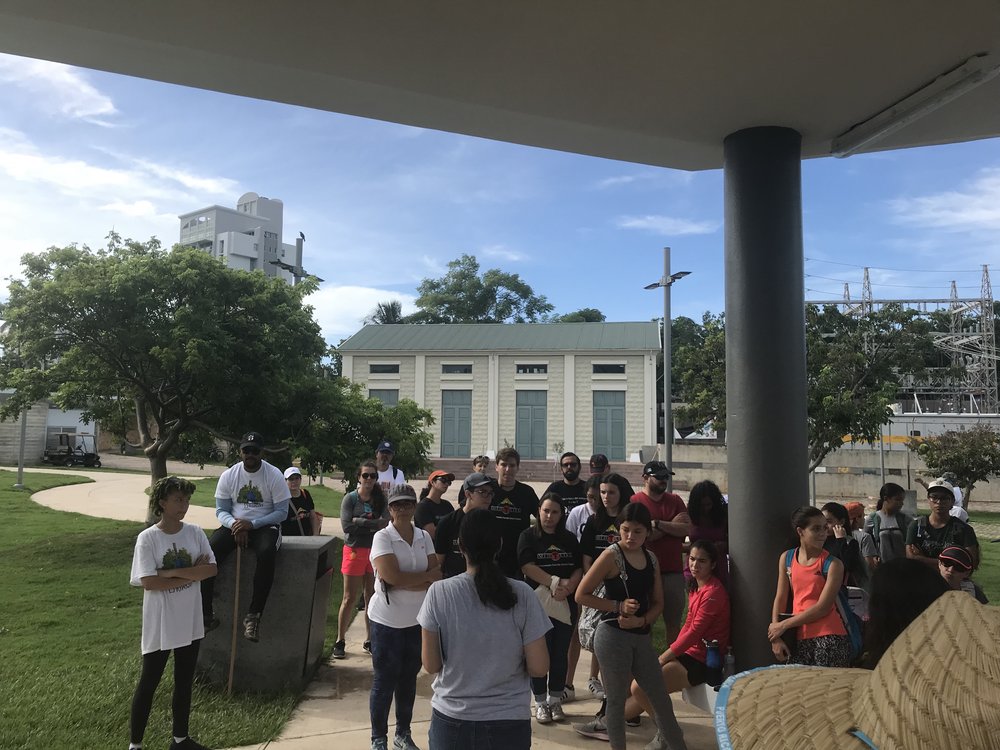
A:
(765, 370)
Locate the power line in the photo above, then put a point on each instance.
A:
(898, 270)
(875, 283)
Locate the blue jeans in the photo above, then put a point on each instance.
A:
(557, 640)
(395, 664)
(502, 734)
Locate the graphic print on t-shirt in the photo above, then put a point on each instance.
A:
(556, 553)
(506, 508)
(250, 496)
(177, 558)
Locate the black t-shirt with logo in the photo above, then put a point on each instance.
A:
(594, 540)
(571, 494)
(557, 554)
(514, 509)
(429, 511)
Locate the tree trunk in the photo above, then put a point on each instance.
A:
(967, 496)
(157, 470)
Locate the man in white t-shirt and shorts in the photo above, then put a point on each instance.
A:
(251, 501)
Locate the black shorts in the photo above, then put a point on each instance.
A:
(697, 671)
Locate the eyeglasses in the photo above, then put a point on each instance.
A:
(940, 499)
(951, 564)
(571, 465)
(366, 475)
(399, 504)
(250, 450)
(442, 480)
(484, 491)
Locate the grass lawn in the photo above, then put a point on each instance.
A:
(988, 575)
(69, 637)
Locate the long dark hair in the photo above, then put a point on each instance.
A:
(889, 489)
(378, 496)
(709, 549)
(716, 514)
(839, 512)
(480, 540)
(901, 590)
(601, 517)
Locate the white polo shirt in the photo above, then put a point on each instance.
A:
(398, 608)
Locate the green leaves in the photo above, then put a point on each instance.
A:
(972, 455)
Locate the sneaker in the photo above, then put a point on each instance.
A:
(637, 721)
(404, 742)
(380, 743)
(542, 713)
(657, 743)
(556, 711)
(568, 695)
(186, 744)
(361, 603)
(251, 626)
(338, 650)
(211, 623)
(595, 729)
(596, 688)
(367, 647)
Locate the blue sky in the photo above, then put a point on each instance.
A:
(385, 205)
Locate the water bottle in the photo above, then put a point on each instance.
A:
(729, 666)
(713, 659)
(713, 663)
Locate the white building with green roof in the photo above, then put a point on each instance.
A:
(541, 387)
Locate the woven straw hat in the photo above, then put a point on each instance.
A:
(937, 686)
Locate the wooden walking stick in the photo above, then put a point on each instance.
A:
(236, 614)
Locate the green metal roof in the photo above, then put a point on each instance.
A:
(493, 337)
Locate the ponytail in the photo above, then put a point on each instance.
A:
(480, 541)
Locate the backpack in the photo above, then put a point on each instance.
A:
(890, 544)
(852, 623)
(590, 618)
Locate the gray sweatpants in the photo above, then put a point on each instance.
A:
(623, 656)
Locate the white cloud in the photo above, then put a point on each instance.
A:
(667, 226)
(656, 178)
(198, 183)
(341, 310)
(976, 206)
(503, 252)
(58, 89)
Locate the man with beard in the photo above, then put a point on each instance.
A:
(671, 523)
(571, 489)
(251, 501)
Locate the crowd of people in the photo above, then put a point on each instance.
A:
(591, 565)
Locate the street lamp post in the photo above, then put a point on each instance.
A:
(666, 282)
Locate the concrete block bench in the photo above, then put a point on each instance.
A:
(293, 625)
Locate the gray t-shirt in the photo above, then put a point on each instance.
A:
(483, 677)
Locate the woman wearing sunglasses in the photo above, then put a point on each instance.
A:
(432, 506)
(362, 512)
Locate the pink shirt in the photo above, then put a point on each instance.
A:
(707, 618)
(668, 549)
(808, 582)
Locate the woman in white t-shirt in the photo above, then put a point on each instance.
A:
(170, 558)
(405, 565)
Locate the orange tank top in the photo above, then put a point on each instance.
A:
(808, 582)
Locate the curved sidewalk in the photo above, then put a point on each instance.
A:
(333, 710)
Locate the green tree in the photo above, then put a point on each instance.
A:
(189, 344)
(852, 368)
(386, 313)
(699, 370)
(463, 295)
(972, 455)
(583, 315)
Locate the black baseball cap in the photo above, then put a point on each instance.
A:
(656, 469)
(252, 438)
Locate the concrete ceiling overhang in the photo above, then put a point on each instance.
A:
(659, 83)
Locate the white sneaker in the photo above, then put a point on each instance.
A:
(542, 713)
(556, 712)
(568, 695)
(596, 688)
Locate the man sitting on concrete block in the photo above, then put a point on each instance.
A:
(251, 501)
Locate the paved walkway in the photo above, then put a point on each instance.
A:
(333, 711)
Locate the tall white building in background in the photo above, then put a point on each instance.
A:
(247, 238)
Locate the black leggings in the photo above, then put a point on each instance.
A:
(264, 543)
(153, 665)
